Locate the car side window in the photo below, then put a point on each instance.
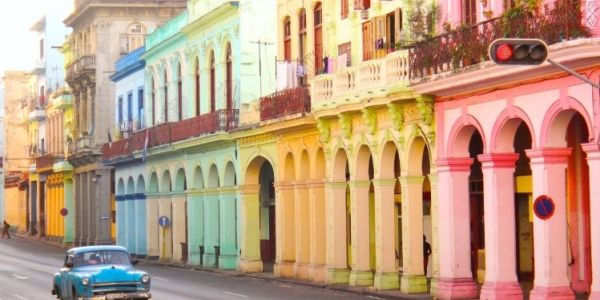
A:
(68, 259)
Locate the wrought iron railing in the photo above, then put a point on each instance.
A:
(551, 22)
(44, 161)
(286, 102)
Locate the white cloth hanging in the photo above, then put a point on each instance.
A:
(282, 75)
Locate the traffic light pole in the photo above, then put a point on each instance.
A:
(573, 73)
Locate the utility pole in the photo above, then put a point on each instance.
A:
(260, 62)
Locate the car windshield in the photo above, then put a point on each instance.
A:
(102, 257)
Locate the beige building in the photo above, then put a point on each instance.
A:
(102, 33)
(13, 88)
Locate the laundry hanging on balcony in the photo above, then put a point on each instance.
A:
(287, 74)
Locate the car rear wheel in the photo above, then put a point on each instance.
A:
(57, 293)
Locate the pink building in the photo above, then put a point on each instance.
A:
(507, 135)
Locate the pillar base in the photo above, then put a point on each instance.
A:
(433, 287)
(413, 284)
(501, 290)
(316, 273)
(227, 262)
(456, 288)
(250, 266)
(301, 271)
(284, 269)
(361, 278)
(554, 293)
(386, 281)
(338, 276)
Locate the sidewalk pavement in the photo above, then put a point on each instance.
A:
(268, 276)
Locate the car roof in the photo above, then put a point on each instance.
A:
(96, 248)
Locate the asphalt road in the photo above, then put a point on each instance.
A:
(27, 267)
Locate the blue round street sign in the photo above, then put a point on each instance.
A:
(543, 207)
(164, 221)
(64, 212)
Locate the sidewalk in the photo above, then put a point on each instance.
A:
(268, 276)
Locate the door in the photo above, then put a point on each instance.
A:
(367, 41)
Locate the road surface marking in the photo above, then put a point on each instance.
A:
(19, 277)
(20, 297)
(160, 278)
(234, 294)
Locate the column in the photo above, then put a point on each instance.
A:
(141, 240)
(100, 207)
(69, 220)
(456, 279)
(178, 224)
(285, 230)
(250, 245)
(130, 221)
(152, 231)
(593, 158)
(434, 259)
(121, 219)
(413, 275)
(500, 228)
(228, 234)
(78, 210)
(196, 226)
(337, 250)
(318, 201)
(211, 228)
(386, 275)
(548, 167)
(361, 274)
(303, 241)
(165, 234)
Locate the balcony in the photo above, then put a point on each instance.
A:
(45, 161)
(166, 133)
(39, 66)
(456, 50)
(34, 108)
(62, 99)
(284, 103)
(370, 79)
(83, 144)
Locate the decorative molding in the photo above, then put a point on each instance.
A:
(257, 139)
(425, 107)
(236, 30)
(218, 37)
(325, 130)
(370, 118)
(396, 112)
(345, 121)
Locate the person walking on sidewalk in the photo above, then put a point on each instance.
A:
(426, 253)
(5, 227)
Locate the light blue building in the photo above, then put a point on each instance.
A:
(130, 170)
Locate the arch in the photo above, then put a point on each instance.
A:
(557, 120)
(153, 183)
(198, 179)
(213, 176)
(289, 169)
(460, 137)
(340, 164)
(414, 155)
(165, 183)
(141, 185)
(251, 176)
(180, 180)
(320, 164)
(130, 186)
(363, 163)
(121, 187)
(229, 178)
(505, 128)
(388, 154)
(304, 165)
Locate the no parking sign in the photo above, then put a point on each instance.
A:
(543, 207)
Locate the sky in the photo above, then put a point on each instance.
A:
(18, 43)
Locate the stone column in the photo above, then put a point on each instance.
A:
(337, 250)
(78, 209)
(434, 259)
(228, 218)
(386, 275)
(318, 201)
(196, 226)
(165, 233)
(211, 227)
(152, 231)
(456, 279)
(413, 275)
(141, 238)
(250, 247)
(130, 221)
(178, 223)
(285, 230)
(593, 158)
(70, 218)
(121, 219)
(303, 241)
(101, 207)
(500, 228)
(551, 281)
(361, 274)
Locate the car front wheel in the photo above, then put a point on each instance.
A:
(75, 294)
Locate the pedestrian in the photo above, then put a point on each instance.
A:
(426, 253)
(5, 227)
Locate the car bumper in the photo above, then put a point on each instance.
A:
(120, 296)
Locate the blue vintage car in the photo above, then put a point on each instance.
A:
(100, 272)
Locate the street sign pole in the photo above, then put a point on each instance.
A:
(164, 244)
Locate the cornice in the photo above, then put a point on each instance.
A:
(226, 9)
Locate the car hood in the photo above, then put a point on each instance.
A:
(114, 273)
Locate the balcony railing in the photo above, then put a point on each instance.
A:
(551, 22)
(363, 80)
(286, 102)
(222, 120)
(86, 142)
(45, 161)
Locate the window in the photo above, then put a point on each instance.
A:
(287, 39)
(179, 93)
(197, 87)
(133, 38)
(303, 47)
(318, 28)
(129, 109)
(344, 9)
(362, 4)
(42, 49)
(229, 78)
(470, 10)
(153, 102)
(385, 32)
(140, 113)
(212, 82)
(120, 111)
(166, 103)
(345, 48)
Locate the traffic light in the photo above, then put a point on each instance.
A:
(518, 51)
